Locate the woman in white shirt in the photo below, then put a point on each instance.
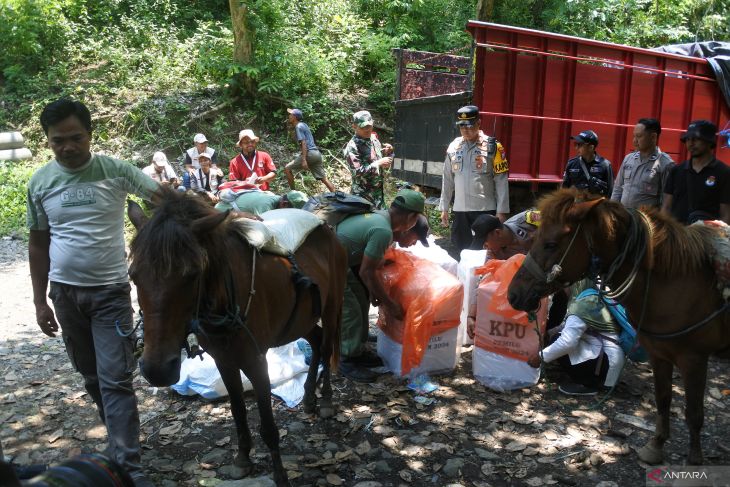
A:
(585, 345)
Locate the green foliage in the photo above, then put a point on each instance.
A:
(644, 23)
(426, 25)
(148, 68)
(34, 33)
(14, 177)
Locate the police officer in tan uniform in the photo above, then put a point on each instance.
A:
(475, 175)
(643, 173)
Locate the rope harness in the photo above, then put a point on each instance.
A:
(231, 321)
(221, 324)
(639, 236)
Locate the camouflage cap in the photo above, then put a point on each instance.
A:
(362, 119)
(410, 200)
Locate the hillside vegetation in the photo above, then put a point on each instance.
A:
(154, 72)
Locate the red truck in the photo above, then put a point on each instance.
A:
(535, 89)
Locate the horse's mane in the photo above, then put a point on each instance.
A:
(675, 249)
(166, 245)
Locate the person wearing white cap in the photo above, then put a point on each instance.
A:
(161, 171)
(192, 154)
(206, 179)
(251, 166)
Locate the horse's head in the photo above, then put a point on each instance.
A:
(560, 254)
(170, 256)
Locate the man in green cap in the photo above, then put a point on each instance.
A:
(258, 202)
(367, 159)
(366, 238)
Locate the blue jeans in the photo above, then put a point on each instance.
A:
(87, 317)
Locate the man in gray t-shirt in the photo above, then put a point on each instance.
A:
(309, 157)
(75, 213)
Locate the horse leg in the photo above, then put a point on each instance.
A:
(314, 337)
(232, 379)
(694, 377)
(258, 374)
(652, 453)
(330, 344)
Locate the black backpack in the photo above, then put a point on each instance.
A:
(332, 208)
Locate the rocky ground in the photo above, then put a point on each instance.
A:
(468, 435)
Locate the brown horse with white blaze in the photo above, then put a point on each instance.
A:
(663, 274)
(196, 271)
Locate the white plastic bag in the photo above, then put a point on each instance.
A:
(440, 356)
(287, 373)
(470, 260)
(432, 253)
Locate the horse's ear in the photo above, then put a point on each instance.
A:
(136, 214)
(204, 225)
(581, 209)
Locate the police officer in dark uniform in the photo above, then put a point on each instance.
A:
(589, 171)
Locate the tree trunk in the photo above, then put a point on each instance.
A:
(485, 10)
(243, 42)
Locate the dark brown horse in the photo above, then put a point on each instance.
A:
(195, 271)
(661, 271)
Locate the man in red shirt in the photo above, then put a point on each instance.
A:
(251, 165)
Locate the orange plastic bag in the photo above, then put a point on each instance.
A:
(431, 299)
(499, 327)
(502, 272)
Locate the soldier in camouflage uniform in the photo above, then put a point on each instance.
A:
(367, 159)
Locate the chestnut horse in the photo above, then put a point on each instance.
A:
(663, 274)
(196, 272)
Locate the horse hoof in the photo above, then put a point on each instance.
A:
(650, 454)
(282, 481)
(326, 412)
(244, 465)
(695, 458)
(310, 408)
(235, 472)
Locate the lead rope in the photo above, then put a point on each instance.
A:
(558, 268)
(127, 335)
(641, 248)
(230, 316)
(649, 238)
(608, 394)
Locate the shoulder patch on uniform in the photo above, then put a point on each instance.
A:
(533, 217)
(455, 144)
(500, 160)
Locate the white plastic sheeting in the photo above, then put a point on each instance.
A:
(287, 373)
